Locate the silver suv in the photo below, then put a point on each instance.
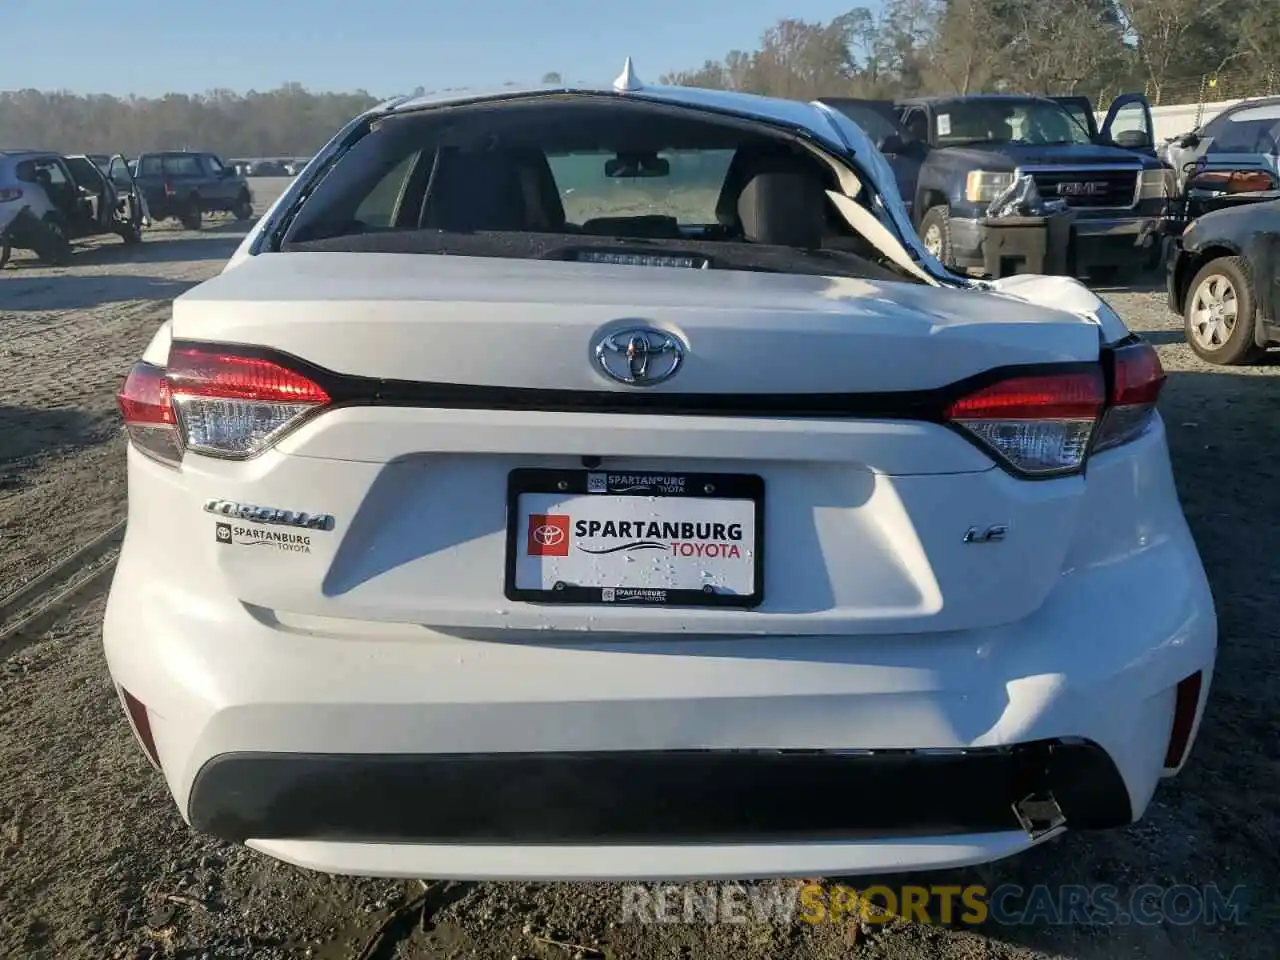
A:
(48, 200)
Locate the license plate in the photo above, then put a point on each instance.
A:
(653, 539)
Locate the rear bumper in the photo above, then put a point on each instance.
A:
(395, 749)
(646, 797)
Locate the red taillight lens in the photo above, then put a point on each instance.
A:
(10, 193)
(1137, 378)
(147, 407)
(168, 190)
(236, 406)
(1040, 424)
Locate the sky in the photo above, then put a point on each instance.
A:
(152, 47)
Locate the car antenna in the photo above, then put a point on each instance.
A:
(627, 80)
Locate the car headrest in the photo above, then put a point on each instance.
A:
(747, 161)
(493, 190)
(783, 207)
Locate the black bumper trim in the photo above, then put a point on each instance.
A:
(647, 797)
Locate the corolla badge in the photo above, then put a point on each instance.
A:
(639, 356)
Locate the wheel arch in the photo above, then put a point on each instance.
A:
(1187, 267)
(926, 199)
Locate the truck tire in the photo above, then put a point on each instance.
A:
(192, 216)
(1105, 274)
(1219, 312)
(935, 233)
(130, 233)
(243, 209)
(5, 251)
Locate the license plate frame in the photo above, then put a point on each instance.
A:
(586, 482)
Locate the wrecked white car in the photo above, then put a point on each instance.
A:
(604, 483)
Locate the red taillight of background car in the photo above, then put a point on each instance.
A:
(8, 194)
(169, 192)
(236, 406)
(1040, 425)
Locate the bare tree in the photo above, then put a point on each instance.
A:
(1057, 47)
(551, 77)
(972, 43)
(1168, 33)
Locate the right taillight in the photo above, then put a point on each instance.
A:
(1137, 377)
(1039, 425)
(1046, 425)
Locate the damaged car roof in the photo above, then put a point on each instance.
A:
(812, 117)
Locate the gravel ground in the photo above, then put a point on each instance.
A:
(95, 862)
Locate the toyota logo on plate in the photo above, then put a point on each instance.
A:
(548, 535)
(639, 356)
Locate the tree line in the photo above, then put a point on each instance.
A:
(1174, 50)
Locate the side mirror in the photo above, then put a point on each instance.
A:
(1188, 140)
(892, 143)
(1132, 139)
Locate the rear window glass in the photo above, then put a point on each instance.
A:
(182, 166)
(585, 178)
(1256, 130)
(688, 192)
(601, 170)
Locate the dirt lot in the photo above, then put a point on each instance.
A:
(91, 848)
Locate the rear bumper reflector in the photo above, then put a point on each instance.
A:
(650, 797)
(136, 710)
(1184, 719)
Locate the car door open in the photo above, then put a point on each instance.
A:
(127, 190)
(1129, 124)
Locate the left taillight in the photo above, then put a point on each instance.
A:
(215, 402)
(146, 404)
(234, 405)
(8, 194)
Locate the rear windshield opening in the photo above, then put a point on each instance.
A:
(534, 178)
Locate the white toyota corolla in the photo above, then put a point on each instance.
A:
(607, 484)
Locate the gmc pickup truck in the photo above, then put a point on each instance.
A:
(953, 155)
(186, 186)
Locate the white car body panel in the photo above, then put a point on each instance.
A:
(884, 626)
(789, 331)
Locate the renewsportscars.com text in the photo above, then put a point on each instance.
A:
(1006, 905)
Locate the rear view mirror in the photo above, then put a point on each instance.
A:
(628, 165)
